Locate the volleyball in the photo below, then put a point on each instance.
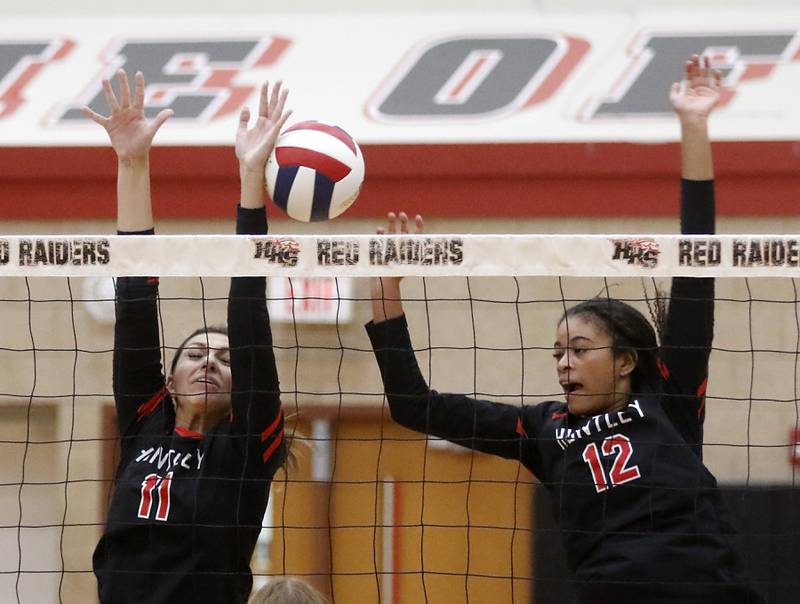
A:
(315, 171)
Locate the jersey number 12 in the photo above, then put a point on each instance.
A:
(151, 483)
(620, 471)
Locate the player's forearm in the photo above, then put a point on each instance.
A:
(134, 207)
(386, 301)
(252, 183)
(696, 161)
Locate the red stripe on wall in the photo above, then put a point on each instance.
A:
(497, 180)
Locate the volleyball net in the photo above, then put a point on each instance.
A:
(373, 512)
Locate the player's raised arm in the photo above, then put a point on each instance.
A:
(477, 424)
(131, 135)
(255, 398)
(138, 376)
(689, 327)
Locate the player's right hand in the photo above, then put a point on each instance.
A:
(385, 291)
(131, 133)
(699, 92)
(392, 220)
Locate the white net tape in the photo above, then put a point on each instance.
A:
(419, 255)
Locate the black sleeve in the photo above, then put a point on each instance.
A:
(255, 399)
(481, 425)
(138, 378)
(689, 328)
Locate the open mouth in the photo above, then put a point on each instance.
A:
(570, 387)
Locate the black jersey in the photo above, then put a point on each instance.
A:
(641, 516)
(187, 508)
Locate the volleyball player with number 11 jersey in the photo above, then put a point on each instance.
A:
(200, 446)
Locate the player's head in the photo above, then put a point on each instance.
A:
(200, 374)
(287, 590)
(605, 349)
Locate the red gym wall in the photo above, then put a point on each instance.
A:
(491, 180)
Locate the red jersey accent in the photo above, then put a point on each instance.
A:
(271, 449)
(271, 428)
(520, 429)
(558, 414)
(149, 406)
(152, 279)
(188, 433)
(701, 392)
(662, 368)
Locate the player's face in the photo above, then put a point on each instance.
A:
(201, 381)
(593, 378)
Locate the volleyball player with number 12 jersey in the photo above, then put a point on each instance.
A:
(642, 518)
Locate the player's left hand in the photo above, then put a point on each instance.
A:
(254, 144)
(699, 92)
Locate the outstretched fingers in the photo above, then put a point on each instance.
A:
(263, 100)
(111, 98)
(675, 89)
(244, 118)
(403, 222)
(138, 98)
(392, 220)
(699, 72)
(159, 120)
(282, 121)
(277, 99)
(124, 89)
(94, 116)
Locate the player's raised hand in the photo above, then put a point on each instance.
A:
(699, 92)
(131, 133)
(255, 143)
(385, 291)
(392, 220)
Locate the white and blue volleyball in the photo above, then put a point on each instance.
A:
(315, 171)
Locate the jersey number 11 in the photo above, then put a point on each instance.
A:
(154, 482)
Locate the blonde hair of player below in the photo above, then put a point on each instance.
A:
(287, 590)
